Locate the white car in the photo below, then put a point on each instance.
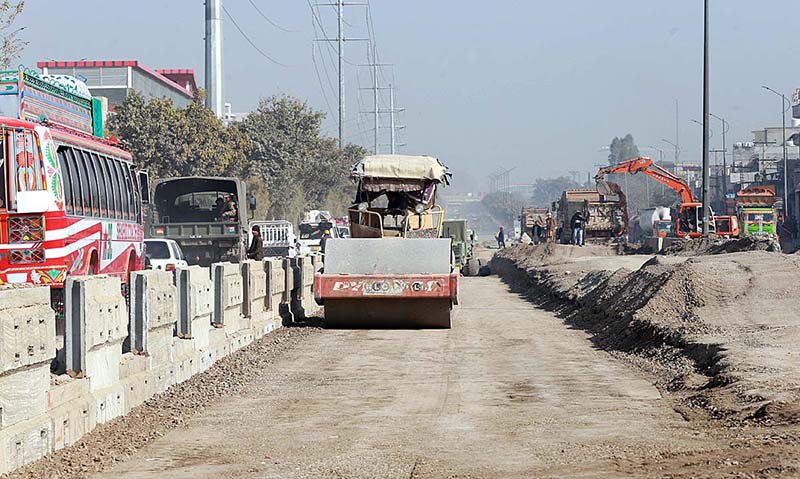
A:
(164, 254)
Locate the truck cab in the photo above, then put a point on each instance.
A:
(206, 216)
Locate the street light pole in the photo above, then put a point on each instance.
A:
(725, 128)
(785, 160)
(677, 150)
(706, 137)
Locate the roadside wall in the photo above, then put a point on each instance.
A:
(178, 324)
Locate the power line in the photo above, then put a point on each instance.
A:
(319, 78)
(270, 20)
(230, 17)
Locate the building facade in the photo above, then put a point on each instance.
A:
(114, 80)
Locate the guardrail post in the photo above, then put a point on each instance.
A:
(184, 327)
(75, 348)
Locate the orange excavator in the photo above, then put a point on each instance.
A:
(689, 222)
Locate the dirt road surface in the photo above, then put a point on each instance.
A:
(510, 391)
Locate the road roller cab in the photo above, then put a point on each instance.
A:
(394, 270)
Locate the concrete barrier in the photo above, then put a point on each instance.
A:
(27, 346)
(176, 327)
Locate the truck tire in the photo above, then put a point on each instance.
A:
(472, 268)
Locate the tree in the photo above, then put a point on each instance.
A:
(548, 190)
(11, 45)
(170, 141)
(504, 207)
(300, 167)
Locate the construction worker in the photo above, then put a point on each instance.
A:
(578, 220)
(256, 249)
(501, 239)
(550, 228)
(322, 241)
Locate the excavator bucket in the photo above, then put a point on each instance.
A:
(387, 283)
(605, 188)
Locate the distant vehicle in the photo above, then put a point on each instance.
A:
(191, 211)
(533, 221)
(164, 254)
(757, 213)
(607, 215)
(313, 228)
(278, 236)
(462, 243)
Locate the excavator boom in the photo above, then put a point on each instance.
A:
(647, 167)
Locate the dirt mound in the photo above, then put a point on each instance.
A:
(714, 330)
(715, 245)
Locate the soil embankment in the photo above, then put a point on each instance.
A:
(718, 331)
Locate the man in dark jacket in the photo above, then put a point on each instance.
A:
(323, 242)
(577, 222)
(256, 249)
(501, 239)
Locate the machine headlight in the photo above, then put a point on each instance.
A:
(419, 208)
(362, 207)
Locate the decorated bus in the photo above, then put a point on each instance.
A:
(70, 200)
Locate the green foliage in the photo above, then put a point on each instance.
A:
(548, 190)
(504, 207)
(642, 192)
(301, 168)
(10, 44)
(279, 150)
(170, 141)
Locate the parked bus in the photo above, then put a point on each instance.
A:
(70, 201)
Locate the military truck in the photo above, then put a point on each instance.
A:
(192, 211)
(462, 242)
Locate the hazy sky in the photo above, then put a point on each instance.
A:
(536, 85)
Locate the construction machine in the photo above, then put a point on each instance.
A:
(689, 221)
(757, 213)
(395, 270)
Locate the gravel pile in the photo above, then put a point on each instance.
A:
(709, 246)
(119, 439)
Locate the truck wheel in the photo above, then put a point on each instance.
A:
(472, 267)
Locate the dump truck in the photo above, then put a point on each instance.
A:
(607, 214)
(533, 221)
(755, 207)
(462, 243)
(192, 211)
(395, 269)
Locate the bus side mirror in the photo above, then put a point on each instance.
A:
(252, 202)
(144, 187)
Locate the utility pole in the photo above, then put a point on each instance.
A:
(706, 138)
(376, 88)
(392, 131)
(340, 39)
(213, 40)
(677, 138)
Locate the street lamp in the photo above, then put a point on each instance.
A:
(725, 127)
(785, 161)
(677, 152)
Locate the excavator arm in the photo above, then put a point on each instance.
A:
(645, 166)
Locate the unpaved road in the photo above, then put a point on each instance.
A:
(510, 391)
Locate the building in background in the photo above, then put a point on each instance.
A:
(115, 79)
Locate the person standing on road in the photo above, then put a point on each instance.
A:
(256, 249)
(501, 239)
(550, 228)
(578, 220)
(324, 240)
